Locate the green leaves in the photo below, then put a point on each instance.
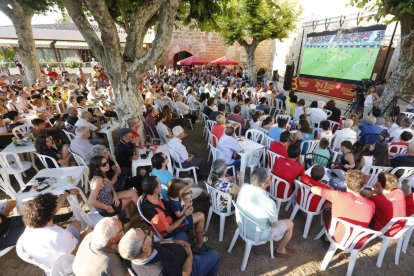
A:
(257, 19)
(397, 8)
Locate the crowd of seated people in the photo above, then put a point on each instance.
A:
(167, 201)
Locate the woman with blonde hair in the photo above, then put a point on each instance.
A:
(219, 128)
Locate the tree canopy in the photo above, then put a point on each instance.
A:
(398, 8)
(257, 20)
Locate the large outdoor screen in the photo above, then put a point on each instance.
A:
(343, 54)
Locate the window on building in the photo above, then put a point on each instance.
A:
(45, 54)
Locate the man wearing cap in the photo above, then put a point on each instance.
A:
(186, 159)
(125, 151)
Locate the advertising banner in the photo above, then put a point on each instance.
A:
(326, 88)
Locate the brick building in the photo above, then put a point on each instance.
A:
(210, 46)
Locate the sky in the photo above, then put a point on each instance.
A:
(311, 9)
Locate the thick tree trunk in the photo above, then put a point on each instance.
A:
(251, 72)
(401, 82)
(250, 51)
(128, 102)
(26, 52)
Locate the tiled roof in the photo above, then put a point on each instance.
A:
(63, 27)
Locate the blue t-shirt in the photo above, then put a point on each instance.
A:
(164, 176)
(172, 207)
(274, 133)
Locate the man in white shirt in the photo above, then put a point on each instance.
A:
(254, 202)
(230, 148)
(81, 145)
(81, 107)
(185, 158)
(84, 119)
(43, 242)
(405, 126)
(346, 133)
(317, 115)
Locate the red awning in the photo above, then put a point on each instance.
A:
(192, 61)
(224, 61)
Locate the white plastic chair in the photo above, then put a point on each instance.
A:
(254, 159)
(333, 124)
(16, 167)
(268, 141)
(305, 200)
(274, 185)
(243, 224)
(181, 115)
(336, 142)
(312, 144)
(86, 219)
(328, 112)
(279, 106)
(178, 167)
(44, 158)
(6, 186)
(407, 238)
(271, 159)
(353, 235)
(83, 163)
(5, 251)
(407, 172)
(410, 115)
(255, 135)
(204, 119)
(150, 132)
(284, 116)
(163, 137)
(68, 134)
(399, 237)
(217, 154)
(216, 197)
(157, 236)
(63, 265)
(374, 172)
(22, 130)
(398, 149)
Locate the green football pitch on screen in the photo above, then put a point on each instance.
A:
(340, 63)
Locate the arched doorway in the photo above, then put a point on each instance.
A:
(179, 56)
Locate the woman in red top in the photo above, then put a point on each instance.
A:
(218, 129)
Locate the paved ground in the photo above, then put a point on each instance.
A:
(306, 262)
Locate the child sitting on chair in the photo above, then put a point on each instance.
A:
(180, 201)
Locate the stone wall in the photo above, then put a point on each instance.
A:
(210, 46)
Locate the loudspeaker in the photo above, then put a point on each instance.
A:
(287, 84)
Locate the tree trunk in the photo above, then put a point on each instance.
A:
(250, 51)
(26, 52)
(401, 82)
(128, 102)
(251, 72)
